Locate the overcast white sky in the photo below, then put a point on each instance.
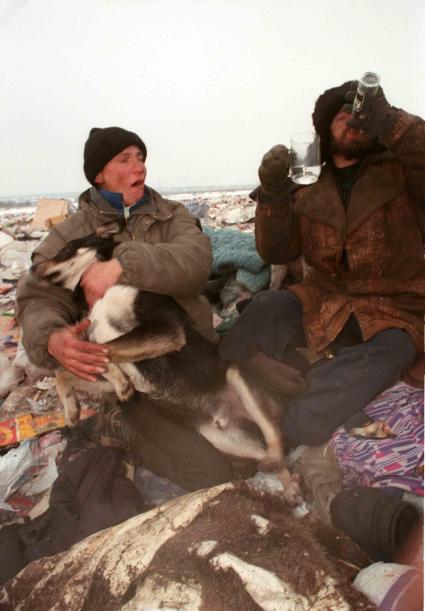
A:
(210, 85)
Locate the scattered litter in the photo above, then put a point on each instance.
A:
(10, 378)
(5, 239)
(37, 406)
(26, 426)
(13, 466)
(45, 384)
(265, 482)
(5, 288)
(30, 468)
(41, 479)
(4, 365)
(154, 489)
(16, 258)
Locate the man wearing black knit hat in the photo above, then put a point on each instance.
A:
(160, 249)
(359, 230)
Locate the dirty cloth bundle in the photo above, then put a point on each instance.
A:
(234, 251)
(197, 552)
(391, 462)
(92, 492)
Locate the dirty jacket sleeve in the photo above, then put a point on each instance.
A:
(179, 265)
(406, 139)
(42, 309)
(277, 228)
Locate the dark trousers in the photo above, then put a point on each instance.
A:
(339, 389)
(174, 451)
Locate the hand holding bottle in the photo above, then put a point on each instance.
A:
(373, 114)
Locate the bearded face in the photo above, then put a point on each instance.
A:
(347, 141)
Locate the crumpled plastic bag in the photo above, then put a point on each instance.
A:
(13, 467)
(30, 468)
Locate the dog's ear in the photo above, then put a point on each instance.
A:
(105, 231)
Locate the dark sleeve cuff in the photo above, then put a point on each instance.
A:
(269, 198)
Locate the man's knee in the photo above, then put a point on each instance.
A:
(397, 345)
(276, 301)
(269, 307)
(268, 324)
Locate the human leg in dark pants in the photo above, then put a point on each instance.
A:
(180, 453)
(343, 386)
(271, 324)
(337, 388)
(163, 446)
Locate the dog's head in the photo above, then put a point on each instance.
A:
(66, 268)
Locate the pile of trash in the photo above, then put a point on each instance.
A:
(50, 496)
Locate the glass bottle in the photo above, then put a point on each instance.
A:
(368, 86)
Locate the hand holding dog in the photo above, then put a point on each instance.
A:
(98, 278)
(84, 359)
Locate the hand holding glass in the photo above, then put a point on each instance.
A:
(304, 158)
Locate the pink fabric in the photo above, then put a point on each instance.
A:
(396, 462)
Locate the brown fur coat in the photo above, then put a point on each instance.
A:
(380, 231)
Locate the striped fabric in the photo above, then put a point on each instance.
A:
(396, 462)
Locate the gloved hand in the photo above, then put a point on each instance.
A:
(376, 114)
(273, 171)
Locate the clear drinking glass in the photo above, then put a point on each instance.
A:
(304, 158)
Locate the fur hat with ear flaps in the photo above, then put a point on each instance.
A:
(327, 106)
(103, 144)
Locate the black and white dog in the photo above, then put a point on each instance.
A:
(155, 349)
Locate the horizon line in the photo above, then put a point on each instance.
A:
(173, 189)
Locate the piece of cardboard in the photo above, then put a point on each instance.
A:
(48, 209)
(55, 220)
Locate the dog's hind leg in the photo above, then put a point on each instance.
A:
(232, 440)
(274, 459)
(274, 455)
(65, 387)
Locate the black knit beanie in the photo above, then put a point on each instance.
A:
(103, 144)
(327, 106)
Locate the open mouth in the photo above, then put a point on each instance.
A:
(355, 131)
(137, 183)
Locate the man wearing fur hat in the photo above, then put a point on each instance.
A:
(359, 230)
(161, 249)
